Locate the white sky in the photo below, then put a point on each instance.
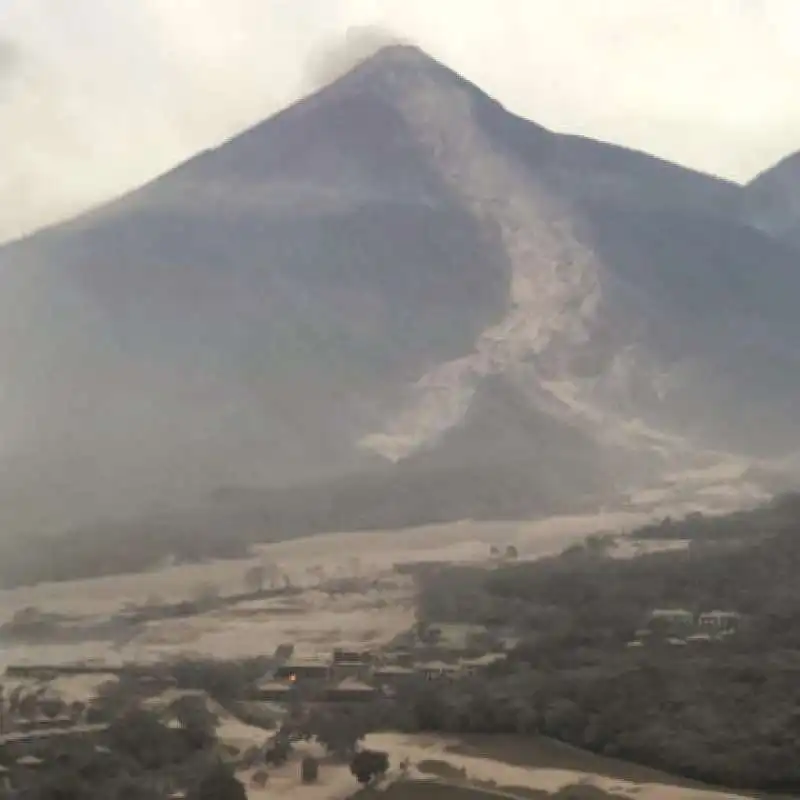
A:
(97, 96)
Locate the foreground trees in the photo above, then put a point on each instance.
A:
(369, 764)
(219, 783)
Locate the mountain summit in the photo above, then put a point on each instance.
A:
(773, 200)
(366, 282)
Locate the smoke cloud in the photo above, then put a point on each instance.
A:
(337, 57)
(8, 58)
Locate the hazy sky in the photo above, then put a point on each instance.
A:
(99, 95)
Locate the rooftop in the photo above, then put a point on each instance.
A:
(47, 733)
(393, 669)
(484, 660)
(29, 761)
(671, 612)
(440, 665)
(723, 614)
(273, 686)
(310, 661)
(349, 685)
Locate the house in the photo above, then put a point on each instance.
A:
(350, 691)
(472, 666)
(699, 638)
(165, 700)
(392, 675)
(719, 621)
(31, 762)
(40, 722)
(351, 663)
(343, 656)
(24, 740)
(436, 670)
(303, 670)
(402, 657)
(461, 636)
(671, 620)
(270, 691)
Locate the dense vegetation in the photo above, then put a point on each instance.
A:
(725, 712)
(746, 524)
(137, 757)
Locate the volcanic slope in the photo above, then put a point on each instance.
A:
(345, 288)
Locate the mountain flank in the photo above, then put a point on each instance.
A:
(398, 287)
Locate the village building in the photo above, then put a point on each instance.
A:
(30, 762)
(351, 656)
(392, 675)
(437, 670)
(37, 743)
(303, 670)
(458, 637)
(350, 691)
(402, 657)
(471, 666)
(719, 621)
(41, 722)
(671, 621)
(270, 691)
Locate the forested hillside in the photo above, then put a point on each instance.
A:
(725, 710)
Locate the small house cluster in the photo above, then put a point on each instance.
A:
(681, 627)
(348, 676)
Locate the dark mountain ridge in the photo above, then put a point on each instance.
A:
(772, 200)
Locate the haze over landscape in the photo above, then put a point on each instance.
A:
(399, 400)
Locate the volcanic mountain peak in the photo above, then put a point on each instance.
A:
(401, 56)
(399, 65)
(351, 274)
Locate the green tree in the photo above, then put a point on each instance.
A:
(197, 722)
(141, 736)
(255, 578)
(219, 783)
(369, 764)
(339, 733)
(309, 770)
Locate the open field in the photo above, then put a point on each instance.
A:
(480, 775)
(535, 764)
(313, 620)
